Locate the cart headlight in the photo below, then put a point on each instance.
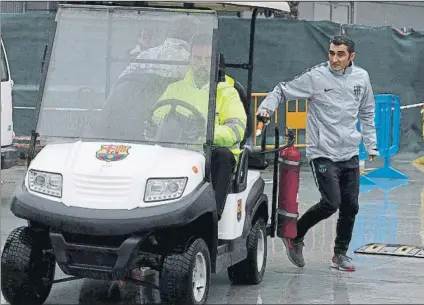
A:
(45, 183)
(164, 189)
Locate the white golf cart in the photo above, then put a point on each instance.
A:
(101, 198)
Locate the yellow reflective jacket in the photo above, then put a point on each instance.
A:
(230, 116)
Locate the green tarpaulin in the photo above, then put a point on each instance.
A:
(283, 49)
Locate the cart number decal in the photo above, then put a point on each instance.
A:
(239, 209)
(110, 153)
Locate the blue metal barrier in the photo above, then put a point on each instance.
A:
(387, 123)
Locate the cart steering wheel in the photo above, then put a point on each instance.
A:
(198, 117)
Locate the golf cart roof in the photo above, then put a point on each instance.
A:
(228, 6)
(244, 5)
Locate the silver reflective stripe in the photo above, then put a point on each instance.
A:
(233, 127)
(288, 162)
(232, 124)
(284, 213)
(236, 122)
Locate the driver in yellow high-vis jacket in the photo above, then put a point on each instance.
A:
(230, 116)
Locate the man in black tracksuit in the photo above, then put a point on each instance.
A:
(339, 93)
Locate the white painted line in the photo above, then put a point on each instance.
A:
(55, 108)
(22, 138)
(23, 107)
(70, 109)
(17, 87)
(269, 181)
(370, 169)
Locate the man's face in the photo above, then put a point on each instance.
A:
(339, 57)
(201, 62)
(145, 39)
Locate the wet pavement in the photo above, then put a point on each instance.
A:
(391, 212)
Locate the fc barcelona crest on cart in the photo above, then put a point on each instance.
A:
(110, 153)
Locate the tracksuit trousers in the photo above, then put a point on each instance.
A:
(338, 183)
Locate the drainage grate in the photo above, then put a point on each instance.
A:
(391, 249)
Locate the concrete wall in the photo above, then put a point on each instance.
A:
(396, 14)
(25, 6)
(337, 12)
(12, 7)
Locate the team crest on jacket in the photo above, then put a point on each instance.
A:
(110, 153)
(357, 90)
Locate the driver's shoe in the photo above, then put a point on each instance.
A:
(294, 250)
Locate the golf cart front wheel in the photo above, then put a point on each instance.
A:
(185, 278)
(252, 269)
(26, 271)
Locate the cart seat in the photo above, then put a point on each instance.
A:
(246, 103)
(239, 181)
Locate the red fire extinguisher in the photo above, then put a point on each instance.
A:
(289, 163)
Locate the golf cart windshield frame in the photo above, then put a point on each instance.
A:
(214, 66)
(209, 26)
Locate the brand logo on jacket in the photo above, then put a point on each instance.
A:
(110, 153)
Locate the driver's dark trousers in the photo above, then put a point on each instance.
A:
(223, 165)
(338, 183)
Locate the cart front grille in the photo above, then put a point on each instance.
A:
(98, 188)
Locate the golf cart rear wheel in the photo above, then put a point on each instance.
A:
(252, 269)
(26, 272)
(185, 278)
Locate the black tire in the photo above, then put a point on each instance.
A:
(246, 272)
(24, 266)
(176, 278)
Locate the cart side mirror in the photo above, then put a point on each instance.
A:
(221, 68)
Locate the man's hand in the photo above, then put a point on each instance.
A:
(263, 115)
(150, 130)
(263, 118)
(372, 154)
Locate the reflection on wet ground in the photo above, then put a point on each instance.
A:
(390, 212)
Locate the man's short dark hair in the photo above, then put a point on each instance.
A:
(345, 40)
